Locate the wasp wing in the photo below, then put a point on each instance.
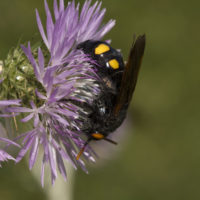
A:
(130, 74)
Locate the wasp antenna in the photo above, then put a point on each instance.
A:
(82, 149)
(80, 152)
(111, 141)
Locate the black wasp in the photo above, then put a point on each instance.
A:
(119, 81)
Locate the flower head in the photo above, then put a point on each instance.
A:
(71, 28)
(66, 80)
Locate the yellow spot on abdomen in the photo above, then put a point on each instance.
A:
(98, 136)
(114, 64)
(102, 48)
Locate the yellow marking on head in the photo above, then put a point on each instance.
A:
(114, 64)
(98, 136)
(102, 48)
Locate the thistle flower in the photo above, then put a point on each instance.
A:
(63, 81)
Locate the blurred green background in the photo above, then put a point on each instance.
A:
(159, 155)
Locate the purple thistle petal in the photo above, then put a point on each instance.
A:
(48, 81)
(49, 23)
(27, 118)
(24, 149)
(40, 95)
(9, 141)
(37, 70)
(5, 156)
(61, 166)
(56, 13)
(95, 23)
(42, 170)
(41, 29)
(8, 115)
(64, 91)
(28, 135)
(62, 152)
(105, 29)
(53, 95)
(85, 8)
(49, 155)
(33, 105)
(41, 61)
(85, 21)
(33, 152)
(36, 120)
(65, 112)
(9, 102)
(52, 162)
(61, 92)
(58, 118)
(19, 109)
(62, 6)
(21, 136)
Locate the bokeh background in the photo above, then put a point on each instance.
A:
(158, 156)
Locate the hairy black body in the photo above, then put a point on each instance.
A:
(101, 119)
(107, 109)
